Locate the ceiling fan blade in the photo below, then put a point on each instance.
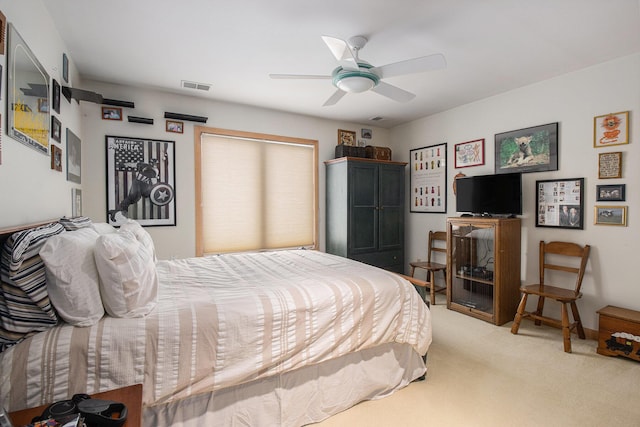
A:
(393, 92)
(410, 66)
(342, 52)
(333, 99)
(298, 76)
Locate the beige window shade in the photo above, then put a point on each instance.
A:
(256, 193)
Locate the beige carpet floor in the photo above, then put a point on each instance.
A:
(481, 375)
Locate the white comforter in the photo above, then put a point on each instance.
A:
(222, 321)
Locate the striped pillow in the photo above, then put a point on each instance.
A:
(24, 301)
(75, 223)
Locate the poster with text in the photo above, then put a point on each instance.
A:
(429, 179)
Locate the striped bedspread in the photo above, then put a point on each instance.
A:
(222, 321)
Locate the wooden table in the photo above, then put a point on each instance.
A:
(131, 397)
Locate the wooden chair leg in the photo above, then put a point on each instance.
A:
(519, 312)
(576, 318)
(539, 309)
(432, 288)
(566, 329)
(413, 269)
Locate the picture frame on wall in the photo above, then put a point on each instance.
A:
(470, 153)
(610, 215)
(610, 165)
(611, 193)
(533, 149)
(140, 181)
(55, 96)
(56, 158)
(346, 137)
(111, 113)
(560, 203)
(174, 126)
(611, 129)
(3, 30)
(65, 68)
(76, 202)
(74, 156)
(428, 177)
(56, 129)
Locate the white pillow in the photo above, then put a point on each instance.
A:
(103, 228)
(72, 276)
(141, 234)
(128, 279)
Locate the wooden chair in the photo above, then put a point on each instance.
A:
(559, 253)
(436, 239)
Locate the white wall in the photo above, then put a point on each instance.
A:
(179, 241)
(573, 100)
(30, 190)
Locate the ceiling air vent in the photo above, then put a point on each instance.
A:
(376, 119)
(195, 85)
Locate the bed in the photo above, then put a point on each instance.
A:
(272, 338)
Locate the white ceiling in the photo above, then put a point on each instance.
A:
(491, 46)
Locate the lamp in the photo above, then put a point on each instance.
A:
(355, 81)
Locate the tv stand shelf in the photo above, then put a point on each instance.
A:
(483, 267)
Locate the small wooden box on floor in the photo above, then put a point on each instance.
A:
(619, 332)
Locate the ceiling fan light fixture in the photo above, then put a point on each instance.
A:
(355, 84)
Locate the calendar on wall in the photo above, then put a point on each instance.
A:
(429, 179)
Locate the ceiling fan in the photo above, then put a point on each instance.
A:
(354, 75)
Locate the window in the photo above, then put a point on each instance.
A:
(254, 191)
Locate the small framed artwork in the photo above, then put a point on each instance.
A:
(533, 149)
(610, 215)
(428, 193)
(111, 113)
(65, 68)
(55, 96)
(346, 137)
(174, 126)
(610, 193)
(560, 203)
(610, 165)
(56, 128)
(74, 156)
(43, 105)
(366, 133)
(469, 153)
(76, 202)
(56, 158)
(3, 28)
(611, 129)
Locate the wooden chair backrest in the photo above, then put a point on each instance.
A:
(436, 239)
(565, 249)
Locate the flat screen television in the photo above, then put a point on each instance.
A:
(490, 194)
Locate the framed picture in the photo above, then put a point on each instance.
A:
(25, 123)
(367, 133)
(611, 129)
(43, 105)
(3, 28)
(74, 157)
(469, 153)
(560, 203)
(56, 128)
(65, 68)
(346, 137)
(140, 181)
(111, 113)
(428, 193)
(610, 165)
(56, 158)
(610, 193)
(610, 215)
(76, 202)
(533, 149)
(55, 96)
(174, 126)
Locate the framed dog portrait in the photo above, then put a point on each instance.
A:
(140, 181)
(533, 149)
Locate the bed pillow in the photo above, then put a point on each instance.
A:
(103, 228)
(141, 234)
(25, 306)
(75, 223)
(128, 278)
(72, 276)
